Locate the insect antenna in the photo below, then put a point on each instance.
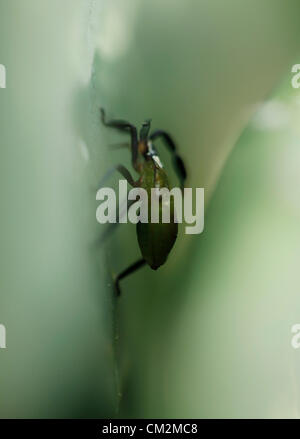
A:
(144, 131)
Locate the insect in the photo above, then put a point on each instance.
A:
(155, 239)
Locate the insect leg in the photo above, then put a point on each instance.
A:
(111, 227)
(123, 125)
(131, 269)
(178, 162)
(122, 170)
(119, 145)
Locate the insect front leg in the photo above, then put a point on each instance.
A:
(123, 125)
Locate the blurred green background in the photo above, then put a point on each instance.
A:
(208, 335)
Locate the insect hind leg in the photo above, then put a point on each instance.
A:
(131, 269)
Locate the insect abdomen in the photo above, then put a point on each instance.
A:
(156, 241)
